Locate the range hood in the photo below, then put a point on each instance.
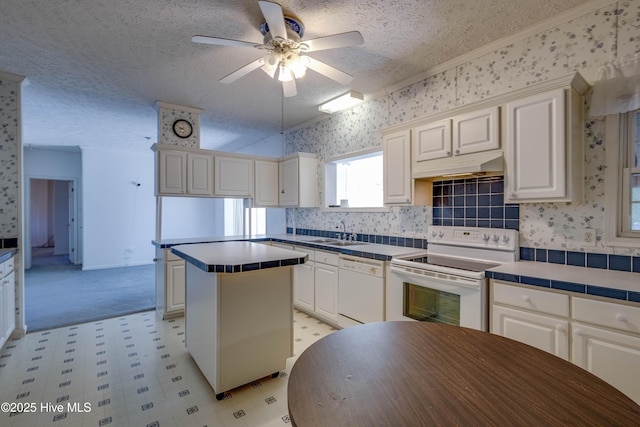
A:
(466, 164)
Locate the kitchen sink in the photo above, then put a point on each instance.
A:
(343, 243)
(323, 241)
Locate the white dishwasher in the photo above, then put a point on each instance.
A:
(360, 291)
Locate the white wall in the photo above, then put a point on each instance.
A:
(184, 217)
(119, 215)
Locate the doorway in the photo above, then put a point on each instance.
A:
(52, 223)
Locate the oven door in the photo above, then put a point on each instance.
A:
(420, 294)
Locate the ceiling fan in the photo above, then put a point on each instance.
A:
(284, 49)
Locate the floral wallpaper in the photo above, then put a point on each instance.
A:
(583, 45)
(167, 115)
(9, 178)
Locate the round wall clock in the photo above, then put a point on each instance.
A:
(182, 128)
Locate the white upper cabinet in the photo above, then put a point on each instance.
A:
(200, 174)
(266, 184)
(536, 140)
(172, 173)
(432, 140)
(396, 155)
(544, 146)
(298, 181)
(233, 177)
(476, 131)
(182, 173)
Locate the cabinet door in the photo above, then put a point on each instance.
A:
(303, 286)
(175, 285)
(476, 131)
(544, 332)
(233, 177)
(172, 171)
(536, 160)
(326, 291)
(266, 184)
(612, 356)
(288, 180)
(432, 141)
(200, 174)
(396, 158)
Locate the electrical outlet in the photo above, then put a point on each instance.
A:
(588, 237)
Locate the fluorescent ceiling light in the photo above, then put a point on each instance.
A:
(348, 100)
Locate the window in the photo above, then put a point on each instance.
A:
(631, 179)
(623, 178)
(354, 181)
(239, 220)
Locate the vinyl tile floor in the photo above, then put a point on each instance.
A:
(132, 371)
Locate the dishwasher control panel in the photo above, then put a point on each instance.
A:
(362, 265)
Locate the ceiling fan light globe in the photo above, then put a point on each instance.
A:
(296, 64)
(285, 75)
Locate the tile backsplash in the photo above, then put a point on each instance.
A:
(474, 202)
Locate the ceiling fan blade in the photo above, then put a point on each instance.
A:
(222, 42)
(289, 88)
(352, 38)
(272, 13)
(328, 71)
(241, 72)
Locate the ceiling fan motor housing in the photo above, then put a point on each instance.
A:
(295, 28)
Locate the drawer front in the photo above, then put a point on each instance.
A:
(327, 258)
(310, 252)
(531, 299)
(612, 315)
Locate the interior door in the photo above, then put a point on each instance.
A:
(73, 239)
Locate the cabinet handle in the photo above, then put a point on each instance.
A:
(457, 151)
(526, 298)
(448, 153)
(561, 328)
(513, 195)
(579, 332)
(621, 317)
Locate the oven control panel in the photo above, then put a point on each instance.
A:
(497, 238)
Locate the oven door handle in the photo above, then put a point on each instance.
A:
(443, 277)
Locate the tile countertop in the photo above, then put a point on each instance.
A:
(6, 254)
(618, 285)
(237, 257)
(361, 249)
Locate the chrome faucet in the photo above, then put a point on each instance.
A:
(344, 228)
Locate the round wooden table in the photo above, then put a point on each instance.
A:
(425, 374)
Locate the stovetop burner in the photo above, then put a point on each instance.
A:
(450, 262)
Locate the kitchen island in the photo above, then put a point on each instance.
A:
(238, 310)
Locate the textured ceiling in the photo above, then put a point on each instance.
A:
(96, 68)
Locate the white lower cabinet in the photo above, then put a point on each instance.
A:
(604, 337)
(531, 316)
(315, 285)
(7, 300)
(606, 342)
(544, 332)
(326, 291)
(304, 286)
(175, 285)
(170, 284)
